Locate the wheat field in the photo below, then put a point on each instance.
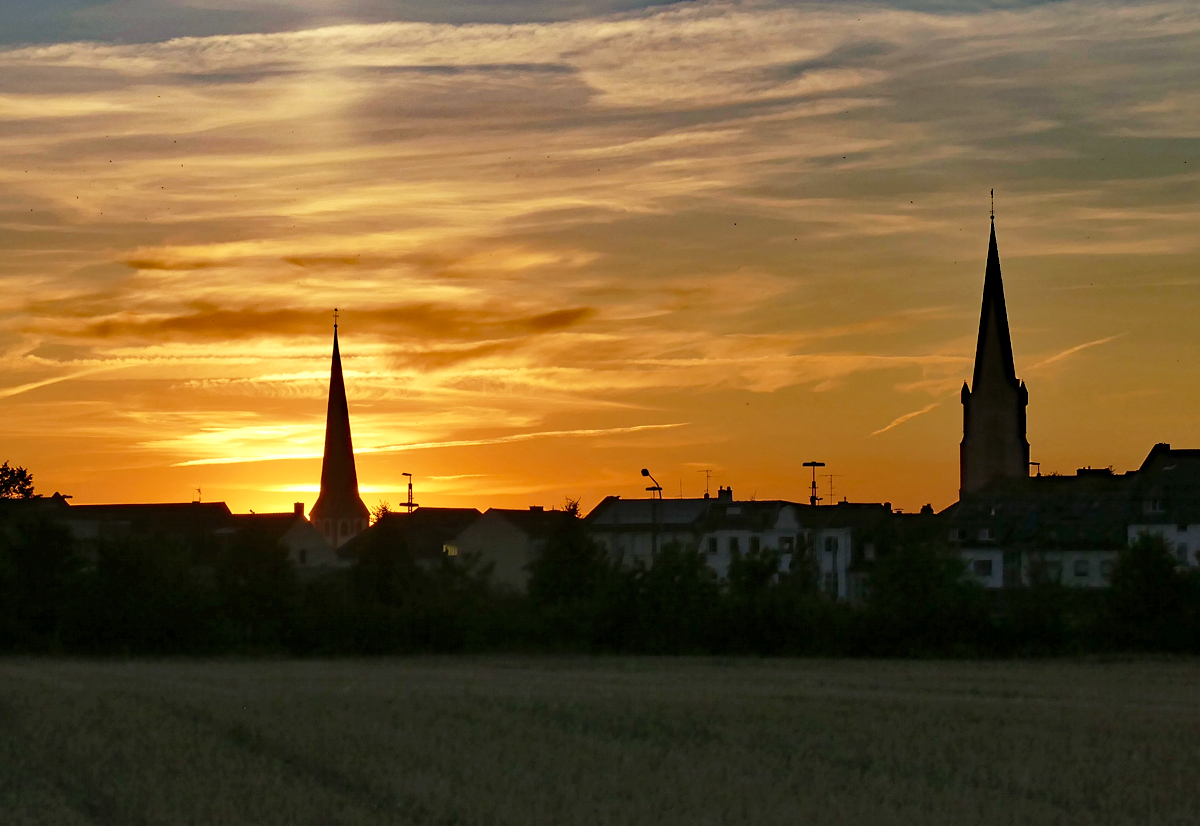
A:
(525, 740)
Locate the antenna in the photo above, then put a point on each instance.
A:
(410, 504)
(197, 499)
(830, 477)
(707, 478)
(813, 499)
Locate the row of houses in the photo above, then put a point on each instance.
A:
(1013, 533)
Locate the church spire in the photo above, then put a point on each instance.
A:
(994, 444)
(339, 512)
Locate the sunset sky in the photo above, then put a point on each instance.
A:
(572, 240)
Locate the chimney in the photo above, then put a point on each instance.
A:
(298, 509)
(725, 494)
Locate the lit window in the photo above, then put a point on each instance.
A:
(982, 567)
(1083, 568)
(450, 550)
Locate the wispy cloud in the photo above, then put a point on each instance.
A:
(1070, 351)
(398, 448)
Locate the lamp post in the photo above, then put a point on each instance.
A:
(410, 504)
(813, 499)
(656, 488)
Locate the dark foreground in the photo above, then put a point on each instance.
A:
(598, 741)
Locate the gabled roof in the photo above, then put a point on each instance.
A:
(423, 532)
(615, 513)
(535, 523)
(273, 525)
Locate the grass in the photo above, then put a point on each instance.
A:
(598, 741)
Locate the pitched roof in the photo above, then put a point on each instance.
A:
(160, 517)
(534, 522)
(424, 531)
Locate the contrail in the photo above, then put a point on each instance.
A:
(902, 419)
(34, 385)
(1070, 351)
(497, 440)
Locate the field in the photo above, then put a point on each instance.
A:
(598, 741)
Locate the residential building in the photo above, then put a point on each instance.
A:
(509, 541)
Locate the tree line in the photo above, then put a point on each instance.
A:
(153, 595)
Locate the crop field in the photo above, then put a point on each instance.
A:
(516, 740)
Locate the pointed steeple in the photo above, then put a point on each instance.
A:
(339, 513)
(994, 444)
(993, 349)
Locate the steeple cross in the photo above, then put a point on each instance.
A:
(993, 205)
(335, 318)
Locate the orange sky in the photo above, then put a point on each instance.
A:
(734, 236)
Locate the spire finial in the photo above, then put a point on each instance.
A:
(335, 318)
(993, 205)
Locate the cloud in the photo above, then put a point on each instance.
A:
(414, 320)
(899, 420)
(1070, 351)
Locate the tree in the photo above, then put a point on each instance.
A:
(1147, 597)
(381, 510)
(15, 482)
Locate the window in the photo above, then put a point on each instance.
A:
(1083, 568)
(982, 567)
(954, 535)
(733, 544)
(1054, 572)
(787, 544)
(1181, 552)
(450, 550)
(754, 544)
(831, 544)
(985, 534)
(712, 545)
(344, 528)
(1106, 568)
(1152, 506)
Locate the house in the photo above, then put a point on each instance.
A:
(1063, 529)
(1165, 501)
(835, 538)
(509, 540)
(307, 549)
(426, 533)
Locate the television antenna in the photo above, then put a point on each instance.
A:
(196, 501)
(830, 477)
(707, 479)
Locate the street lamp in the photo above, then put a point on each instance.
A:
(656, 488)
(813, 499)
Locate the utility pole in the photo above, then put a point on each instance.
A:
(813, 499)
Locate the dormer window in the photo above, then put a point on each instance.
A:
(985, 534)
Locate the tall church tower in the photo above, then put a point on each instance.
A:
(994, 444)
(339, 513)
